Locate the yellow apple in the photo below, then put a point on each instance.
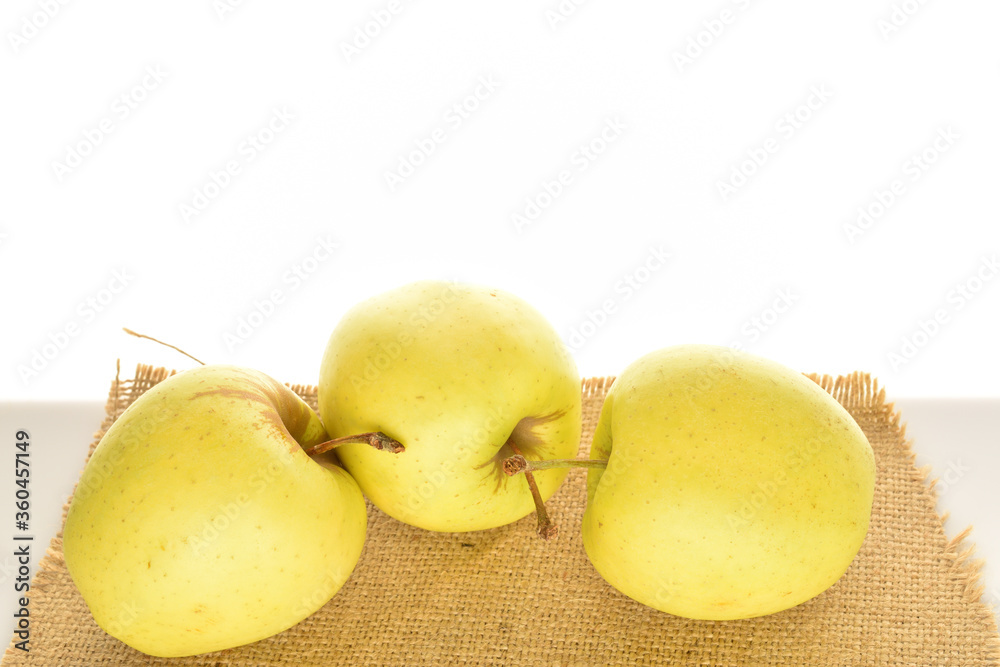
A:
(735, 487)
(463, 376)
(200, 523)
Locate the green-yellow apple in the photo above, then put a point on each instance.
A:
(735, 487)
(722, 485)
(200, 523)
(463, 376)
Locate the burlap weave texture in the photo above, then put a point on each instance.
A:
(503, 597)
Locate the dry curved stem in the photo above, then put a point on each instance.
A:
(173, 347)
(517, 464)
(546, 529)
(376, 439)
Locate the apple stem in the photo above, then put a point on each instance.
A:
(546, 529)
(517, 464)
(174, 347)
(377, 439)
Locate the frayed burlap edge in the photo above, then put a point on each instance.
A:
(860, 390)
(856, 390)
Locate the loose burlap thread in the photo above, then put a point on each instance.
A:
(503, 597)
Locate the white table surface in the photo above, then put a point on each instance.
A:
(958, 438)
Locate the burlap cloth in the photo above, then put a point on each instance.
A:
(504, 597)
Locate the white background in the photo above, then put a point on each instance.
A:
(93, 243)
(656, 185)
